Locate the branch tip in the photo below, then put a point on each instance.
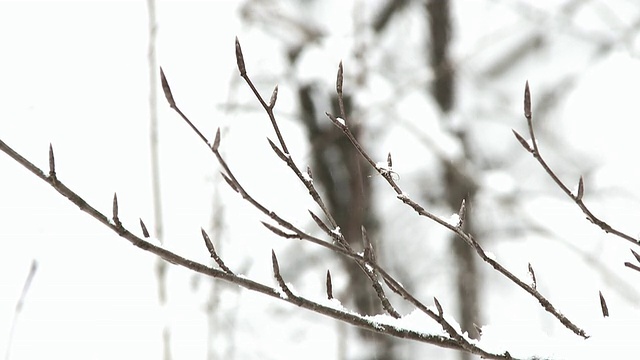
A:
(240, 59)
(527, 101)
(167, 90)
(339, 79)
(603, 305)
(329, 286)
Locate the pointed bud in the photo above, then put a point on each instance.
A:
(229, 182)
(274, 97)
(580, 189)
(438, 306)
(240, 59)
(522, 141)
(277, 150)
(339, 79)
(527, 101)
(216, 142)
(145, 232)
(52, 162)
(603, 305)
(167, 90)
(532, 275)
(462, 213)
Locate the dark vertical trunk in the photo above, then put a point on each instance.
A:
(457, 185)
(343, 176)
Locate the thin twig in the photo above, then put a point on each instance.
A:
(577, 198)
(546, 304)
(340, 315)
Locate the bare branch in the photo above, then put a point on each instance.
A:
(576, 198)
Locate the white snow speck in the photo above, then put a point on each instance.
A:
(307, 178)
(454, 220)
(341, 121)
(337, 231)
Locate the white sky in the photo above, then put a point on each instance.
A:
(75, 74)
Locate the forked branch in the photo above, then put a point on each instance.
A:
(532, 148)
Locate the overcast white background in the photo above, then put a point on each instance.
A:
(75, 74)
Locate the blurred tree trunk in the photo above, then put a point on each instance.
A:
(457, 185)
(343, 175)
